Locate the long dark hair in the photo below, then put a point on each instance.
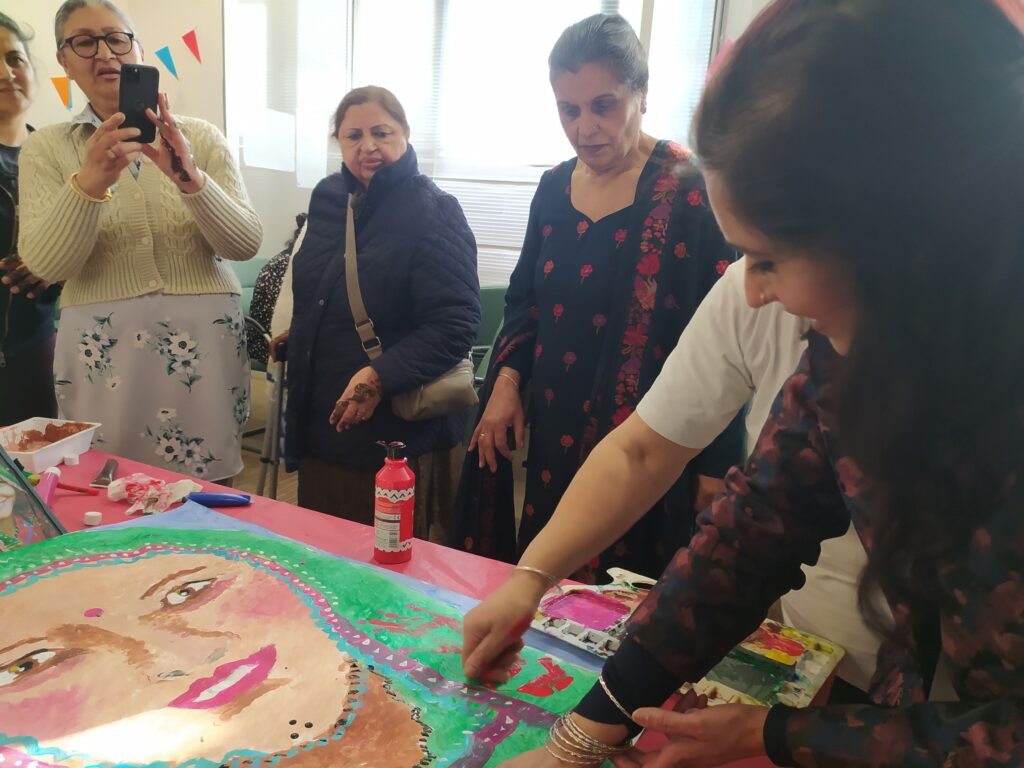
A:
(888, 135)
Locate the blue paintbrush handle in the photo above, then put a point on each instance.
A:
(220, 499)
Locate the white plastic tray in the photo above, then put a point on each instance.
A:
(52, 454)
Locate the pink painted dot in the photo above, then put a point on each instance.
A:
(93, 613)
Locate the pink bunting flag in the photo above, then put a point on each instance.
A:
(193, 44)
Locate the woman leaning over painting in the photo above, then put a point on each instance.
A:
(151, 341)
(863, 201)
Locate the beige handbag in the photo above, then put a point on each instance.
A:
(450, 392)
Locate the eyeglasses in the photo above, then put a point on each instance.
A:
(87, 46)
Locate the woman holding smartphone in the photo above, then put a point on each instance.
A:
(151, 341)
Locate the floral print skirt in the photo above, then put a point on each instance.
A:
(168, 377)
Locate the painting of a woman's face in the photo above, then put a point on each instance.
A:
(169, 658)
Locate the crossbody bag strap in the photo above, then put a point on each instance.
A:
(364, 325)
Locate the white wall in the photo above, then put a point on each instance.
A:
(199, 89)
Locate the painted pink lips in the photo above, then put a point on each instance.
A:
(228, 681)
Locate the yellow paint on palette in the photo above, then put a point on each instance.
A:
(63, 86)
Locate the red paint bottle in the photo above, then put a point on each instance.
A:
(394, 500)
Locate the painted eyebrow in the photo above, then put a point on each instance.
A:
(26, 641)
(170, 578)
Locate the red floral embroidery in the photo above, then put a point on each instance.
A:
(546, 232)
(721, 266)
(558, 310)
(670, 302)
(567, 442)
(568, 358)
(649, 265)
(680, 250)
(528, 510)
(636, 336)
(537, 350)
(545, 477)
(695, 197)
(599, 321)
(585, 271)
(645, 292)
(548, 266)
(665, 184)
(620, 237)
(468, 543)
(586, 406)
(581, 229)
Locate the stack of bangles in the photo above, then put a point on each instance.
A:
(571, 744)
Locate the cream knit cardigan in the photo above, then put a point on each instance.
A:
(149, 237)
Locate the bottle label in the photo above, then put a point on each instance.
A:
(387, 528)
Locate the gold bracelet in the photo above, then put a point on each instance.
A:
(551, 580)
(612, 699)
(73, 183)
(510, 378)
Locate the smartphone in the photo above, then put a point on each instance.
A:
(139, 87)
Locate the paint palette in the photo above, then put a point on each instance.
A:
(593, 617)
(775, 665)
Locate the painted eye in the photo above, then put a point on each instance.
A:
(27, 663)
(186, 592)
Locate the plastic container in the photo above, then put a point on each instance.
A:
(49, 455)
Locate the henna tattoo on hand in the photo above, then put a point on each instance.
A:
(364, 392)
(176, 165)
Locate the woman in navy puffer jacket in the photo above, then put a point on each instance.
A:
(418, 279)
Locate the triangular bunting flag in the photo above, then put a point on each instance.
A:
(193, 44)
(164, 54)
(63, 86)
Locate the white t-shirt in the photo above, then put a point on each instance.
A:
(728, 354)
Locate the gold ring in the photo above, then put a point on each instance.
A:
(483, 434)
(111, 154)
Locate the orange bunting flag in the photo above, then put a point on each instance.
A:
(63, 86)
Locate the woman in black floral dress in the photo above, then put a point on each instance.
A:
(620, 249)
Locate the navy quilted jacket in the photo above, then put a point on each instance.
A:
(418, 277)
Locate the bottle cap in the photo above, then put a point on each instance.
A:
(395, 449)
(71, 459)
(93, 518)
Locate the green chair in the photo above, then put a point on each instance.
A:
(492, 312)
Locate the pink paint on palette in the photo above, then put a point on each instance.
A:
(592, 610)
(93, 613)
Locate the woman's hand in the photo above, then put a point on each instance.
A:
(504, 409)
(707, 489)
(492, 633)
(171, 154)
(359, 400)
(107, 152)
(699, 738)
(281, 338)
(17, 276)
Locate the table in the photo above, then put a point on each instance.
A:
(452, 569)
